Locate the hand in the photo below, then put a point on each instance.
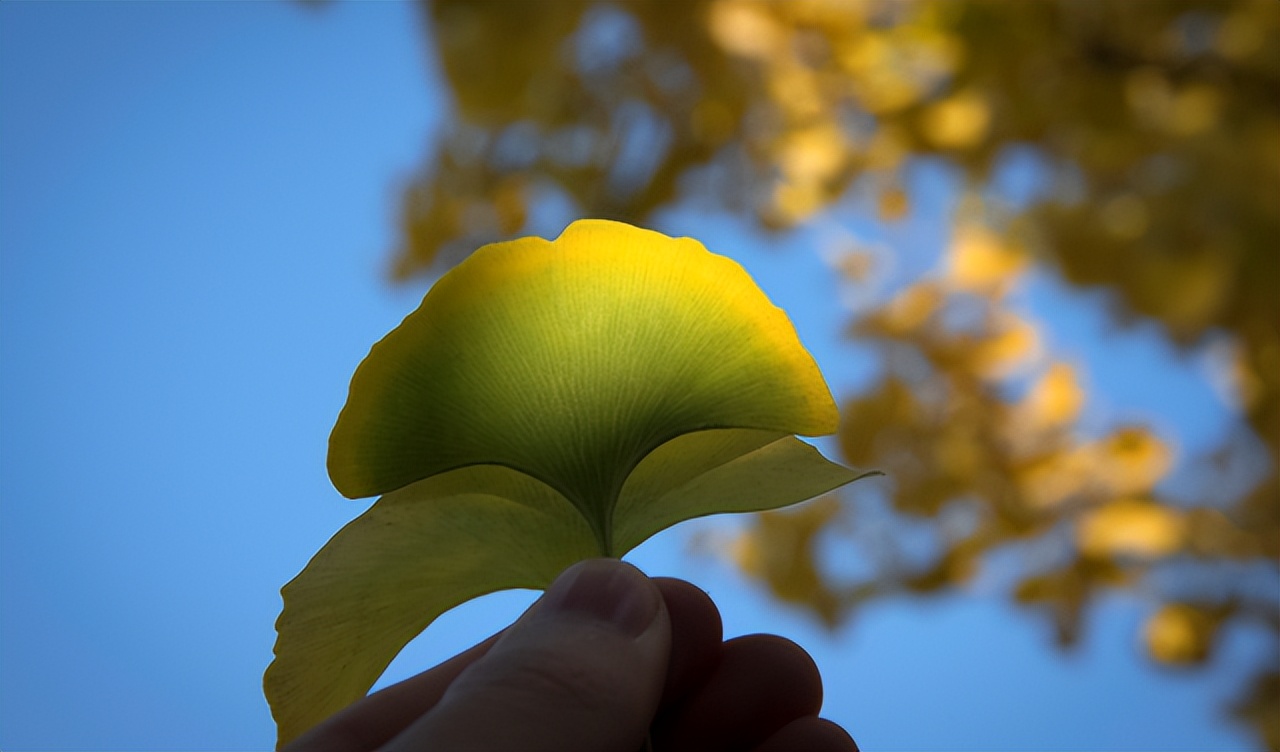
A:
(606, 659)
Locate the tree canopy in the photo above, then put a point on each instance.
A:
(1156, 125)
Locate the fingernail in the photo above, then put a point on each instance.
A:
(605, 590)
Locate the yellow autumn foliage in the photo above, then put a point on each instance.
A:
(1178, 634)
(1153, 125)
(1130, 527)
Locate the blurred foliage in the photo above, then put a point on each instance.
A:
(1159, 124)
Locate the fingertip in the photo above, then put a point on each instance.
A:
(607, 591)
(809, 734)
(696, 633)
(760, 684)
(781, 666)
(582, 669)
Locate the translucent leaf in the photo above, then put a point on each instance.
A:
(413, 555)
(547, 402)
(570, 361)
(712, 472)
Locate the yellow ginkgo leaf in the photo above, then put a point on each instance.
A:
(547, 402)
(570, 361)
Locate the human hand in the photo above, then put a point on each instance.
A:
(606, 659)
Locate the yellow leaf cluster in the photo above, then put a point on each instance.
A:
(1156, 123)
(1130, 527)
(982, 262)
(1179, 634)
(781, 550)
(1056, 398)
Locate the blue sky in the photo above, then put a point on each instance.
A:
(197, 203)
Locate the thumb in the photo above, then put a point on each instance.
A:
(583, 669)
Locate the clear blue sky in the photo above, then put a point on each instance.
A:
(196, 205)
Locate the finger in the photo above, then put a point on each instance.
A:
(761, 684)
(583, 669)
(696, 633)
(373, 721)
(809, 734)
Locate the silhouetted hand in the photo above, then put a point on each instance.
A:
(606, 657)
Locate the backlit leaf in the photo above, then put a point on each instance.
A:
(570, 361)
(707, 473)
(412, 556)
(547, 402)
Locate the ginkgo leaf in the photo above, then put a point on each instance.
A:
(570, 361)
(434, 544)
(712, 472)
(410, 557)
(547, 402)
